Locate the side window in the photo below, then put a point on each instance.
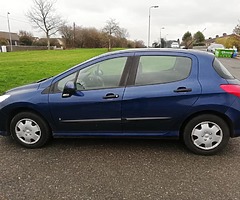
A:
(105, 74)
(162, 69)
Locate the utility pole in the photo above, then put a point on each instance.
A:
(10, 35)
(149, 24)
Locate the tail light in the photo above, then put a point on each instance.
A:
(231, 89)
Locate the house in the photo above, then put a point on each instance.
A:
(227, 40)
(6, 36)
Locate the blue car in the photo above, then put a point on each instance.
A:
(149, 93)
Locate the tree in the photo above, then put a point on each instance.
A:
(44, 17)
(44, 42)
(236, 30)
(111, 28)
(3, 41)
(139, 44)
(187, 39)
(163, 43)
(199, 37)
(67, 33)
(229, 42)
(91, 37)
(25, 38)
(122, 33)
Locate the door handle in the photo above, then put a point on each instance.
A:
(111, 96)
(183, 89)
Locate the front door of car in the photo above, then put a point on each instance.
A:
(165, 88)
(95, 108)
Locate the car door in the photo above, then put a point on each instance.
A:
(165, 88)
(96, 107)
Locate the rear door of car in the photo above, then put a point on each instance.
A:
(162, 88)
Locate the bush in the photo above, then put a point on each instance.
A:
(3, 41)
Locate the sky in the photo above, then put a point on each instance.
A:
(171, 19)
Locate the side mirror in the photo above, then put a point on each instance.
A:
(69, 89)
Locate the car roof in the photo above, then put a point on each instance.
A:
(216, 44)
(196, 53)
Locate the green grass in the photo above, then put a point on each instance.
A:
(19, 68)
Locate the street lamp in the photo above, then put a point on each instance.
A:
(161, 37)
(149, 24)
(10, 37)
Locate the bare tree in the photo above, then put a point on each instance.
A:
(44, 17)
(236, 30)
(122, 33)
(67, 33)
(111, 28)
(140, 44)
(90, 37)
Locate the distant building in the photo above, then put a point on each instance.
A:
(6, 36)
(224, 36)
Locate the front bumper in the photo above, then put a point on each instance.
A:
(4, 133)
(3, 124)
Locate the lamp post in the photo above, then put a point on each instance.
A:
(149, 23)
(160, 42)
(10, 37)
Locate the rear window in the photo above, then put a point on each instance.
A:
(221, 70)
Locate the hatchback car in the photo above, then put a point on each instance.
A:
(149, 93)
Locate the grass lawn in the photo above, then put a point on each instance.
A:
(19, 68)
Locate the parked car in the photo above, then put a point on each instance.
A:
(175, 45)
(150, 93)
(215, 46)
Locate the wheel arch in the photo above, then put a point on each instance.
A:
(221, 115)
(26, 109)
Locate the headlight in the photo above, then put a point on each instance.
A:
(4, 97)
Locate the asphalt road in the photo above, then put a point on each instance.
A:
(119, 169)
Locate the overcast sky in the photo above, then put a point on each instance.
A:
(176, 16)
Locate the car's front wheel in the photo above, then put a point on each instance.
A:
(206, 134)
(29, 130)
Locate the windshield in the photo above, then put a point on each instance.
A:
(217, 46)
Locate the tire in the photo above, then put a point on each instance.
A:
(29, 130)
(206, 134)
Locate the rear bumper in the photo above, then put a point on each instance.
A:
(233, 114)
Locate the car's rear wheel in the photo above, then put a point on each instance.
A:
(29, 130)
(206, 134)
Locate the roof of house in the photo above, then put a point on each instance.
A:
(5, 35)
(231, 35)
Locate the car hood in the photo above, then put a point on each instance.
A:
(30, 87)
